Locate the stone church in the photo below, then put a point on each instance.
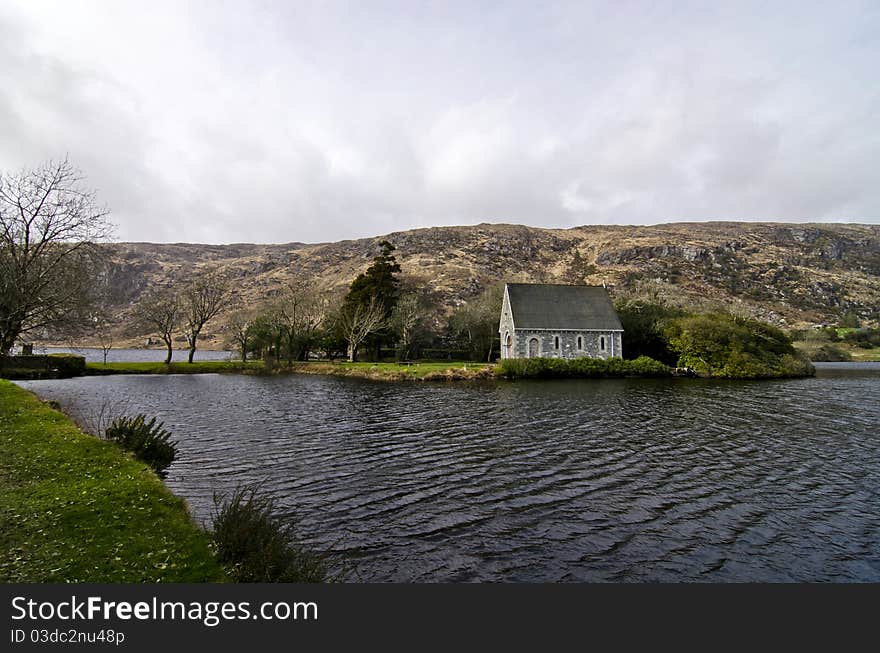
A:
(559, 321)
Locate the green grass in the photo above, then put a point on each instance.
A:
(74, 508)
(390, 371)
(857, 354)
(433, 371)
(198, 367)
(864, 355)
(415, 369)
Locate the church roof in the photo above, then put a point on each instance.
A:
(554, 306)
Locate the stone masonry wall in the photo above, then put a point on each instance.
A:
(568, 345)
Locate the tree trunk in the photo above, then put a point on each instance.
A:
(168, 344)
(8, 335)
(352, 352)
(192, 347)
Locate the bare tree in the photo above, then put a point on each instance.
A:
(301, 308)
(104, 334)
(269, 333)
(159, 310)
(359, 321)
(204, 297)
(241, 325)
(476, 322)
(102, 322)
(49, 226)
(407, 320)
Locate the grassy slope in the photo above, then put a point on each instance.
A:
(76, 509)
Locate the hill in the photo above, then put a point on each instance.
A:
(788, 274)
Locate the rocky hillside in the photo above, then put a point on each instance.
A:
(789, 274)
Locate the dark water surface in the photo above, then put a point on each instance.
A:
(613, 480)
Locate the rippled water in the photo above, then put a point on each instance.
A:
(612, 480)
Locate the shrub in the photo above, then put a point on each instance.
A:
(643, 325)
(538, 368)
(148, 441)
(257, 546)
(51, 366)
(723, 345)
(646, 366)
(796, 365)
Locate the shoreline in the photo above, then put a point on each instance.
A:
(457, 371)
(506, 370)
(76, 508)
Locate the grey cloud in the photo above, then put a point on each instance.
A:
(322, 122)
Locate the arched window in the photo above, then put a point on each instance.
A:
(533, 348)
(602, 343)
(556, 342)
(580, 342)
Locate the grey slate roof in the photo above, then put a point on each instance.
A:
(552, 306)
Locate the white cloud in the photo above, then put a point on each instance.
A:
(278, 122)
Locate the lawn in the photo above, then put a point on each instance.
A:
(439, 371)
(198, 367)
(74, 508)
(447, 370)
(864, 355)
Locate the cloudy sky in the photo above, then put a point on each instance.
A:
(316, 121)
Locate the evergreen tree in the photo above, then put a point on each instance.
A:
(377, 286)
(378, 282)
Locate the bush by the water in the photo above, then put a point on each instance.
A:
(148, 441)
(727, 346)
(643, 325)
(52, 366)
(710, 343)
(536, 368)
(257, 546)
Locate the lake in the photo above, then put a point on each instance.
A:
(94, 355)
(572, 481)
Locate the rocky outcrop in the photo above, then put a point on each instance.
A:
(791, 274)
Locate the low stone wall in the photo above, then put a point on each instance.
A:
(52, 366)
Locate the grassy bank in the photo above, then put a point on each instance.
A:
(445, 371)
(432, 371)
(198, 367)
(838, 351)
(865, 355)
(74, 508)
